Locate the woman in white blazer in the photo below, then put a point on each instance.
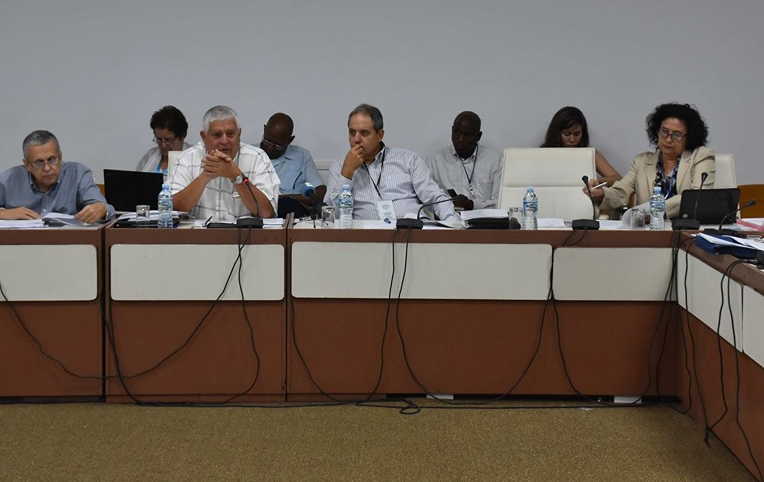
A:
(680, 135)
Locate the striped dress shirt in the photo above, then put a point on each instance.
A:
(396, 175)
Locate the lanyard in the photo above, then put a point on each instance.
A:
(470, 176)
(379, 178)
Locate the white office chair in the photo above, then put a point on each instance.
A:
(554, 173)
(172, 158)
(323, 166)
(725, 172)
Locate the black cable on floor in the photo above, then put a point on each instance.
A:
(303, 361)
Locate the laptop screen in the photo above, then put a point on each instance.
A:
(711, 205)
(127, 189)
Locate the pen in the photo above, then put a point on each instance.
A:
(602, 184)
(207, 221)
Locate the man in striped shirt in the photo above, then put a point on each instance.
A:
(377, 173)
(221, 177)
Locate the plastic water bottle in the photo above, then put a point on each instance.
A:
(657, 208)
(345, 204)
(165, 207)
(530, 209)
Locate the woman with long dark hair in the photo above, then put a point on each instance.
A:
(568, 128)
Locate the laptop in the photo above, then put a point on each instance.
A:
(127, 189)
(712, 204)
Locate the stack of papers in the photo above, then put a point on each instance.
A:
(721, 244)
(60, 219)
(753, 223)
(483, 213)
(21, 223)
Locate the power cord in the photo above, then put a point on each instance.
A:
(380, 370)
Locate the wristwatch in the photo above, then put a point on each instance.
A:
(239, 179)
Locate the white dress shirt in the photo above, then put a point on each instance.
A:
(396, 175)
(478, 177)
(220, 198)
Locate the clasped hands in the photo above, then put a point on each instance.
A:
(217, 164)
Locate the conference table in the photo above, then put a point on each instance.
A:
(153, 316)
(474, 313)
(722, 318)
(186, 324)
(51, 313)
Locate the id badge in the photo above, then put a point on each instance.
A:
(386, 212)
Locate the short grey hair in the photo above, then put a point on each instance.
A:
(218, 113)
(38, 138)
(372, 112)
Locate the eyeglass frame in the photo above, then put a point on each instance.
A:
(163, 142)
(274, 145)
(40, 164)
(675, 136)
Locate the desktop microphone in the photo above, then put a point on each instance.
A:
(408, 223)
(691, 223)
(730, 232)
(587, 224)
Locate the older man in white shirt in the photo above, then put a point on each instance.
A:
(221, 177)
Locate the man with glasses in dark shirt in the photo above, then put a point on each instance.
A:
(45, 184)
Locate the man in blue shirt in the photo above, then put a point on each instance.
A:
(301, 184)
(44, 184)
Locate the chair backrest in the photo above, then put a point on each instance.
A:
(323, 166)
(725, 171)
(172, 158)
(555, 174)
(749, 192)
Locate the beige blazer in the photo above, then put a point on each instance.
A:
(641, 177)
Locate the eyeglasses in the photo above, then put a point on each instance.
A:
(41, 163)
(272, 145)
(674, 135)
(164, 141)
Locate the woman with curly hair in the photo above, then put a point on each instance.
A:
(680, 135)
(169, 127)
(568, 129)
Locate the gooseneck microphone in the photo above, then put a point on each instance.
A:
(408, 223)
(692, 223)
(587, 224)
(703, 177)
(730, 232)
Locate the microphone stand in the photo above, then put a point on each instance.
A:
(408, 223)
(729, 232)
(587, 224)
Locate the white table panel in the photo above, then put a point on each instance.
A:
(58, 272)
(704, 297)
(612, 274)
(753, 324)
(164, 272)
(435, 271)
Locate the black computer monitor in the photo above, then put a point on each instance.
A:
(127, 189)
(712, 204)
